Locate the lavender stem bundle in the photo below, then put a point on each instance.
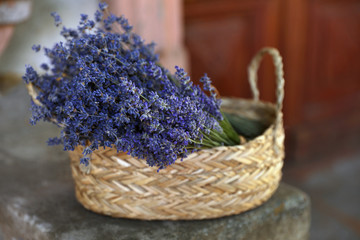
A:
(105, 88)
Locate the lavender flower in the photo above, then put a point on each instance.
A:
(103, 6)
(57, 19)
(36, 48)
(106, 89)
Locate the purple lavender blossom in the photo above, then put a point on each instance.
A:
(103, 6)
(57, 19)
(36, 48)
(98, 16)
(106, 89)
(44, 66)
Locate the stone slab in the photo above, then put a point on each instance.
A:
(335, 196)
(37, 196)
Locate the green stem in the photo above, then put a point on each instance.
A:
(205, 144)
(207, 137)
(223, 138)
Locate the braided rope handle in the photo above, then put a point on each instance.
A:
(280, 83)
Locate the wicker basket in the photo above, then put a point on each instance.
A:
(208, 184)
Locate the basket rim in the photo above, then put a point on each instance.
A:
(271, 127)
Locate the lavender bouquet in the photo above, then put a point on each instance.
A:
(105, 88)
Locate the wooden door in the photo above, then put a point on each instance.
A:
(319, 41)
(223, 35)
(330, 92)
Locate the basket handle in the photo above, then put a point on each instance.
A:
(280, 82)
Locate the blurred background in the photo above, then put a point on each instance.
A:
(320, 44)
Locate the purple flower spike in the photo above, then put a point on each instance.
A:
(36, 48)
(57, 19)
(103, 6)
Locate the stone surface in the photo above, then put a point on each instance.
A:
(334, 190)
(37, 196)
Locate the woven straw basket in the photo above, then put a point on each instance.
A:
(207, 184)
